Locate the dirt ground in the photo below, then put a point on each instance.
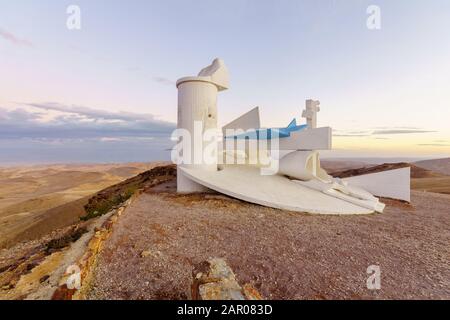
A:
(284, 255)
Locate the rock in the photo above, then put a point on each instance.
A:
(5, 268)
(8, 287)
(63, 293)
(145, 253)
(31, 266)
(214, 280)
(251, 293)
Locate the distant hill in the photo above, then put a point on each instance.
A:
(416, 172)
(374, 160)
(421, 178)
(336, 165)
(437, 165)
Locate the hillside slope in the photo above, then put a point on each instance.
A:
(35, 200)
(421, 179)
(441, 166)
(416, 172)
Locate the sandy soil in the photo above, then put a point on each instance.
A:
(284, 255)
(436, 184)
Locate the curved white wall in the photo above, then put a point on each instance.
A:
(197, 104)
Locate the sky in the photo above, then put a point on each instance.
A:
(106, 92)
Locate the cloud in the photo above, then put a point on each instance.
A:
(110, 139)
(58, 121)
(351, 135)
(401, 131)
(92, 112)
(346, 133)
(434, 144)
(163, 80)
(8, 36)
(52, 133)
(380, 131)
(412, 128)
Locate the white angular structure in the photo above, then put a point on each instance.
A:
(315, 139)
(296, 181)
(247, 121)
(275, 191)
(394, 184)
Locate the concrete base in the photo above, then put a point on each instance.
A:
(246, 183)
(186, 185)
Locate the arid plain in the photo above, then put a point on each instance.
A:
(35, 200)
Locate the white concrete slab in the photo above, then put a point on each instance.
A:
(394, 184)
(246, 183)
(355, 195)
(309, 139)
(247, 121)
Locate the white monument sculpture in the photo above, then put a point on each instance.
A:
(299, 183)
(197, 105)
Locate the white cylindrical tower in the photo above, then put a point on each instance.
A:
(197, 113)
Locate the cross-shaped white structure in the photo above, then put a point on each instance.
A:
(310, 113)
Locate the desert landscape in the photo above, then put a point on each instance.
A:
(53, 216)
(35, 200)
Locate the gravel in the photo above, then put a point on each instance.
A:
(284, 255)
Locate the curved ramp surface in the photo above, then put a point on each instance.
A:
(246, 183)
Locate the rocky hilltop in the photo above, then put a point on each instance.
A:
(139, 239)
